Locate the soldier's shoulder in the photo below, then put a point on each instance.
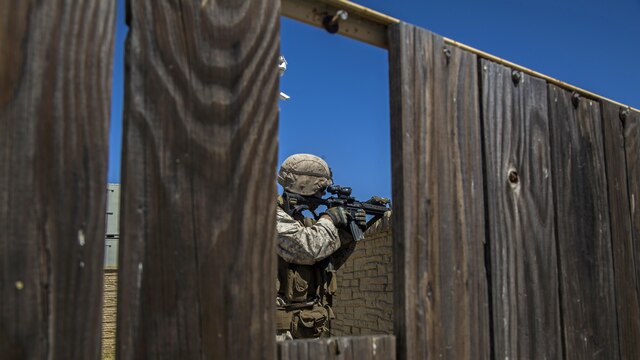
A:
(281, 214)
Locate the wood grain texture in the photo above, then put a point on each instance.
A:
(377, 347)
(621, 234)
(200, 151)
(441, 302)
(632, 155)
(55, 87)
(519, 201)
(583, 229)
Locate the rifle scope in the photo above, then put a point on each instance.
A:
(339, 190)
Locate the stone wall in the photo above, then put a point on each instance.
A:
(363, 304)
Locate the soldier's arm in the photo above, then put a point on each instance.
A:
(305, 245)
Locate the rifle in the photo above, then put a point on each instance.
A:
(376, 206)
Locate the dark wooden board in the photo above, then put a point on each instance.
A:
(377, 347)
(632, 154)
(55, 88)
(441, 302)
(519, 201)
(583, 229)
(621, 233)
(198, 192)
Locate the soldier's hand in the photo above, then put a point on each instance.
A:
(361, 218)
(338, 215)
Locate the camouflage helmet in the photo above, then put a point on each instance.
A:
(304, 174)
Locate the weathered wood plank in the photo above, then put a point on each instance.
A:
(583, 235)
(519, 201)
(200, 152)
(626, 293)
(632, 155)
(384, 348)
(441, 301)
(380, 347)
(364, 349)
(55, 87)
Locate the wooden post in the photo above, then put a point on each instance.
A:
(521, 222)
(584, 237)
(55, 88)
(441, 302)
(197, 271)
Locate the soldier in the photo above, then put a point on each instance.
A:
(309, 252)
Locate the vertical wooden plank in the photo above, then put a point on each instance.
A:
(303, 351)
(383, 348)
(524, 277)
(584, 239)
(339, 348)
(346, 350)
(197, 212)
(321, 349)
(284, 352)
(626, 293)
(441, 304)
(363, 347)
(632, 155)
(55, 86)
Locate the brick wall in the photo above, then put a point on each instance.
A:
(109, 314)
(364, 301)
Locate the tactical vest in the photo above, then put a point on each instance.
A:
(304, 296)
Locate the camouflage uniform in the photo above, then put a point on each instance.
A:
(309, 253)
(303, 245)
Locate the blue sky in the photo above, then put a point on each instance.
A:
(339, 107)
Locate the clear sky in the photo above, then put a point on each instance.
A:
(339, 106)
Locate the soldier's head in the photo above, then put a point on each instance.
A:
(305, 174)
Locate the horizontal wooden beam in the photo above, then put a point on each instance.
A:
(362, 24)
(370, 26)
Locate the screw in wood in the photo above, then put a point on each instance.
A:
(516, 76)
(447, 54)
(331, 23)
(575, 99)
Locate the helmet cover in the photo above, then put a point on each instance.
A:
(304, 174)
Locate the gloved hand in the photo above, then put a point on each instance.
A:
(338, 215)
(361, 218)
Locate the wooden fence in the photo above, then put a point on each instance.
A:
(516, 224)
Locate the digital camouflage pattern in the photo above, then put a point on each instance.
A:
(302, 245)
(304, 174)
